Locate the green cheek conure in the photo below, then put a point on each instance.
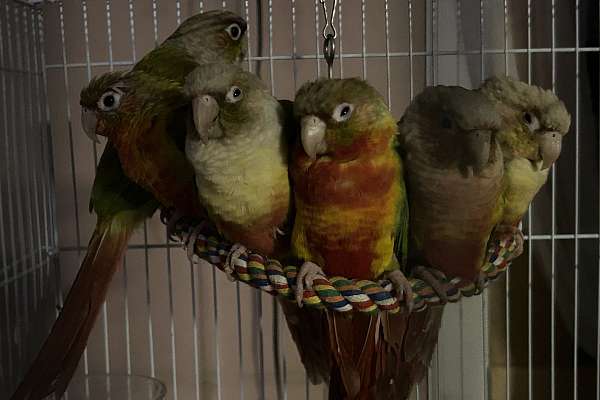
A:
(352, 220)
(238, 146)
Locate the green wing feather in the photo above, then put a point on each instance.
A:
(401, 243)
(114, 194)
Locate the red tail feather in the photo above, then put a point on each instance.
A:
(58, 358)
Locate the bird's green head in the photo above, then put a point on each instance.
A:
(115, 103)
(227, 102)
(213, 36)
(100, 103)
(455, 127)
(534, 120)
(342, 118)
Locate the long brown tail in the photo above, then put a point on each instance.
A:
(407, 356)
(58, 358)
(381, 357)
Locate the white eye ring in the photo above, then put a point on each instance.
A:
(234, 95)
(234, 31)
(110, 100)
(531, 121)
(342, 112)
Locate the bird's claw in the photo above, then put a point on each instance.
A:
(509, 233)
(172, 224)
(307, 274)
(480, 282)
(434, 278)
(190, 241)
(232, 257)
(402, 287)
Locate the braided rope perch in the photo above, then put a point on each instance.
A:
(337, 293)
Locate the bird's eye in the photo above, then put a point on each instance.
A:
(109, 101)
(342, 112)
(446, 122)
(531, 121)
(234, 95)
(234, 31)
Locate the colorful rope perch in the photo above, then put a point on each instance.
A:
(338, 293)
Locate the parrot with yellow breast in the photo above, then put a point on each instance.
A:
(238, 146)
(534, 122)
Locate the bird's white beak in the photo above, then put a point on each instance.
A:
(206, 114)
(478, 148)
(88, 122)
(313, 136)
(550, 143)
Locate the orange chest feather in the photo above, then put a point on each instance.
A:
(346, 217)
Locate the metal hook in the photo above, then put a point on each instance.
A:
(329, 53)
(329, 19)
(329, 34)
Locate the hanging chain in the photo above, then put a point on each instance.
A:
(329, 34)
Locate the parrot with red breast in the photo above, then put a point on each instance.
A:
(351, 220)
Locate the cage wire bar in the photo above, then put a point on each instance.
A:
(145, 325)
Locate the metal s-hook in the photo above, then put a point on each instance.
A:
(329, 34)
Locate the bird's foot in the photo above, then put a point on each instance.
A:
(434, 278)
(233, 256)
(402, 287)
(480, 282)
(307, 274)
(190, 240)
(509, 233)
(172, 224)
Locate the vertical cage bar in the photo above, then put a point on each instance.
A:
(576, 271)
(257, 294)
(530, 244)
(340, 39)
(553, 231)
(484, 295)
(317, 38)
(29, 172)
(279, 355)
(387, 54)
(410, 49)
(12, 40)
(363, 9)
(43, 170)
(130, 14)
(36, 170)
(126, 317)
(459, 48)
(46, 134)
(3, 84)
(507, 287)
(598, 314)
(172, 320)
(105, 332)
